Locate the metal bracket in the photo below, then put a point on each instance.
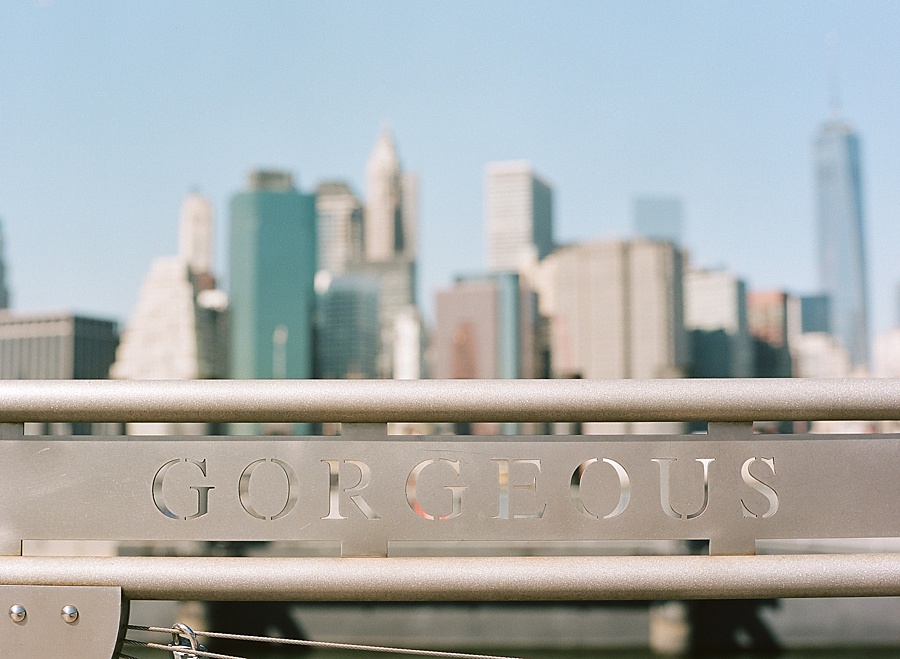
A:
(76, 622)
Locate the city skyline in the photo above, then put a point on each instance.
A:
(110, 124)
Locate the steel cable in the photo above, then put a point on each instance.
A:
(321, 644)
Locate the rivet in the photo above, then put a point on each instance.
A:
(69, 613)
(17, 612)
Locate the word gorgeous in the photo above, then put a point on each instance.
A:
(437, 489)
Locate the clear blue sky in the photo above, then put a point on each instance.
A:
(110, 112)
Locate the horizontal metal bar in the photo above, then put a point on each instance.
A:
(470, 579)
(383, 401)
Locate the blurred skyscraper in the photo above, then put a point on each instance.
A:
(841, 225)
(340, 227)
(486, 328)
(178, 330)
(390, 220)
(55, 346)
(715, 313)
(769, 320)
(518, 209)
(4, 287)
(659, 218)
(348, 328)
(616, 310)
(391, 205)
(273, 266)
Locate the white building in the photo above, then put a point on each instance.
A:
(177, 330)
(819, 355)
(615, 310)
(518, 208)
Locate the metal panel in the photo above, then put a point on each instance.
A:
(367, 492)
(449, 400)
(61, 621)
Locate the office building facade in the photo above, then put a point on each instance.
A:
(519, 217)
(56, 346)
(347, 330)
(616, 310)
(769, 316)
(272, 272)
(339, 227)
(486, 328)
(715, 313)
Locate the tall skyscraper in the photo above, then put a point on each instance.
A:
(390, 220)
(659, 218)
(340, 227)
(273, 267)
(519, 217)
(391, 216)
(841, 225)
(4, 287)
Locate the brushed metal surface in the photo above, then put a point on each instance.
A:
(51, 629)
(367, 494)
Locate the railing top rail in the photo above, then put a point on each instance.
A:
(473, 579)
(384, 401)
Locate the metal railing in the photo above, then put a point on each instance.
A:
(469, 579)
(385, 401)
(428, 578)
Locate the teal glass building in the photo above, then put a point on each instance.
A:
(272, 268)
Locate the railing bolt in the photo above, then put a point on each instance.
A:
(17, 613)
(69, 613)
